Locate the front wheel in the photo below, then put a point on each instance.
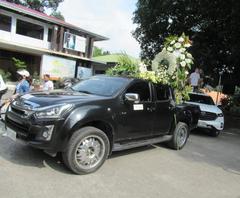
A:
(180, 136)
(87, 150)
(214, 132)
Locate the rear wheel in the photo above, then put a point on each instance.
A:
(87, 150)
(180, 136)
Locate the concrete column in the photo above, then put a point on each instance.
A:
(45, 34)
(13, 26)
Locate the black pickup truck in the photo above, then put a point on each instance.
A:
(100, 115)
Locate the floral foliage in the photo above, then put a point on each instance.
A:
(170, 66)
(173, 63)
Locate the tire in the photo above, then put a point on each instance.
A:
(180, 136)
(215, 132)
(86, 151)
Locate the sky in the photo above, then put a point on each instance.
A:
(110, 18)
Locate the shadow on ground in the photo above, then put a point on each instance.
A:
(24, 155)
(222, 151)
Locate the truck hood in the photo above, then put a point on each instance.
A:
(207, 108)
(44, 99)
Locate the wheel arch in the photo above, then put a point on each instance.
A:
(104, 126)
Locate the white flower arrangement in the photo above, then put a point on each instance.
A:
(182, 57)
(188, 61)
(189, 55)
(182, 50)
(187, 45)
(177, 45)
(170, 58)
(170, 49)
(181, 39)
(183, 63)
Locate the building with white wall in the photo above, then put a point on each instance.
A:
(45, 43)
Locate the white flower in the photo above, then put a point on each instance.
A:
(181, 39)
(170, 49)
(188, 61)
(172, 42)
(183, 63)
(182, 56)
(164, 56)
(176, 53)
(189, 55)
(177, 45)
(142, 67)
(187, 45)
(186, 72)
(182, 50)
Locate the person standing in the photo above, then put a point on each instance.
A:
(194, 80)
(23, 85)
(48, 84)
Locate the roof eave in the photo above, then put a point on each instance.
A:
(96, 37)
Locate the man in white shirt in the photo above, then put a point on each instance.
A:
(194, 79)
(48, 84)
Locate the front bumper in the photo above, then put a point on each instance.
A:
(209, 124)
(35, 133)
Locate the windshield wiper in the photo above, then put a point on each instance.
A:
(86, 92)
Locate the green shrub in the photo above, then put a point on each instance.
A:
(19, 64)
(125, 67)
(5, 75)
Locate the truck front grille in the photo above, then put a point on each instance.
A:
(17, 111)
(207, 116)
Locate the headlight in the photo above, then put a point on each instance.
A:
(52, 112)
(220, 114)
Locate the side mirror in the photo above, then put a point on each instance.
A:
(132, 97)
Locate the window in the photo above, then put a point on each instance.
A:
(102, 86)
(49, 34)
(29, 29)
(201, 99)
(141, 88)
(162, 92)
(5, 23)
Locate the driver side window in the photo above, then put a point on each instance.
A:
(141, 88)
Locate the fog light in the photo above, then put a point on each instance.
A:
(47, 133)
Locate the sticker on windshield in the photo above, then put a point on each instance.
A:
(138, 107)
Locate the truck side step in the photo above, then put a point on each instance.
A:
(139, 143)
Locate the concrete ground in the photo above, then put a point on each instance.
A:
(206, 167)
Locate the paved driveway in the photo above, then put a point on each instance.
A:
(206, 167)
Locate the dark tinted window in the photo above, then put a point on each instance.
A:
(100, 86)
(49, 35)
(162, 92)
(141, 88)
(5, 23)
(201, 99)
(29, 29)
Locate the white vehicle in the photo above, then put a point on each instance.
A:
(211, 116)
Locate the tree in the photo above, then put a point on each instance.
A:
(99, 52)
(41, 5)
(19, 64)
(58, 15)
(213, 26)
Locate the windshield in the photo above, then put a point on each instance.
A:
(201, 99)
(100, 86)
